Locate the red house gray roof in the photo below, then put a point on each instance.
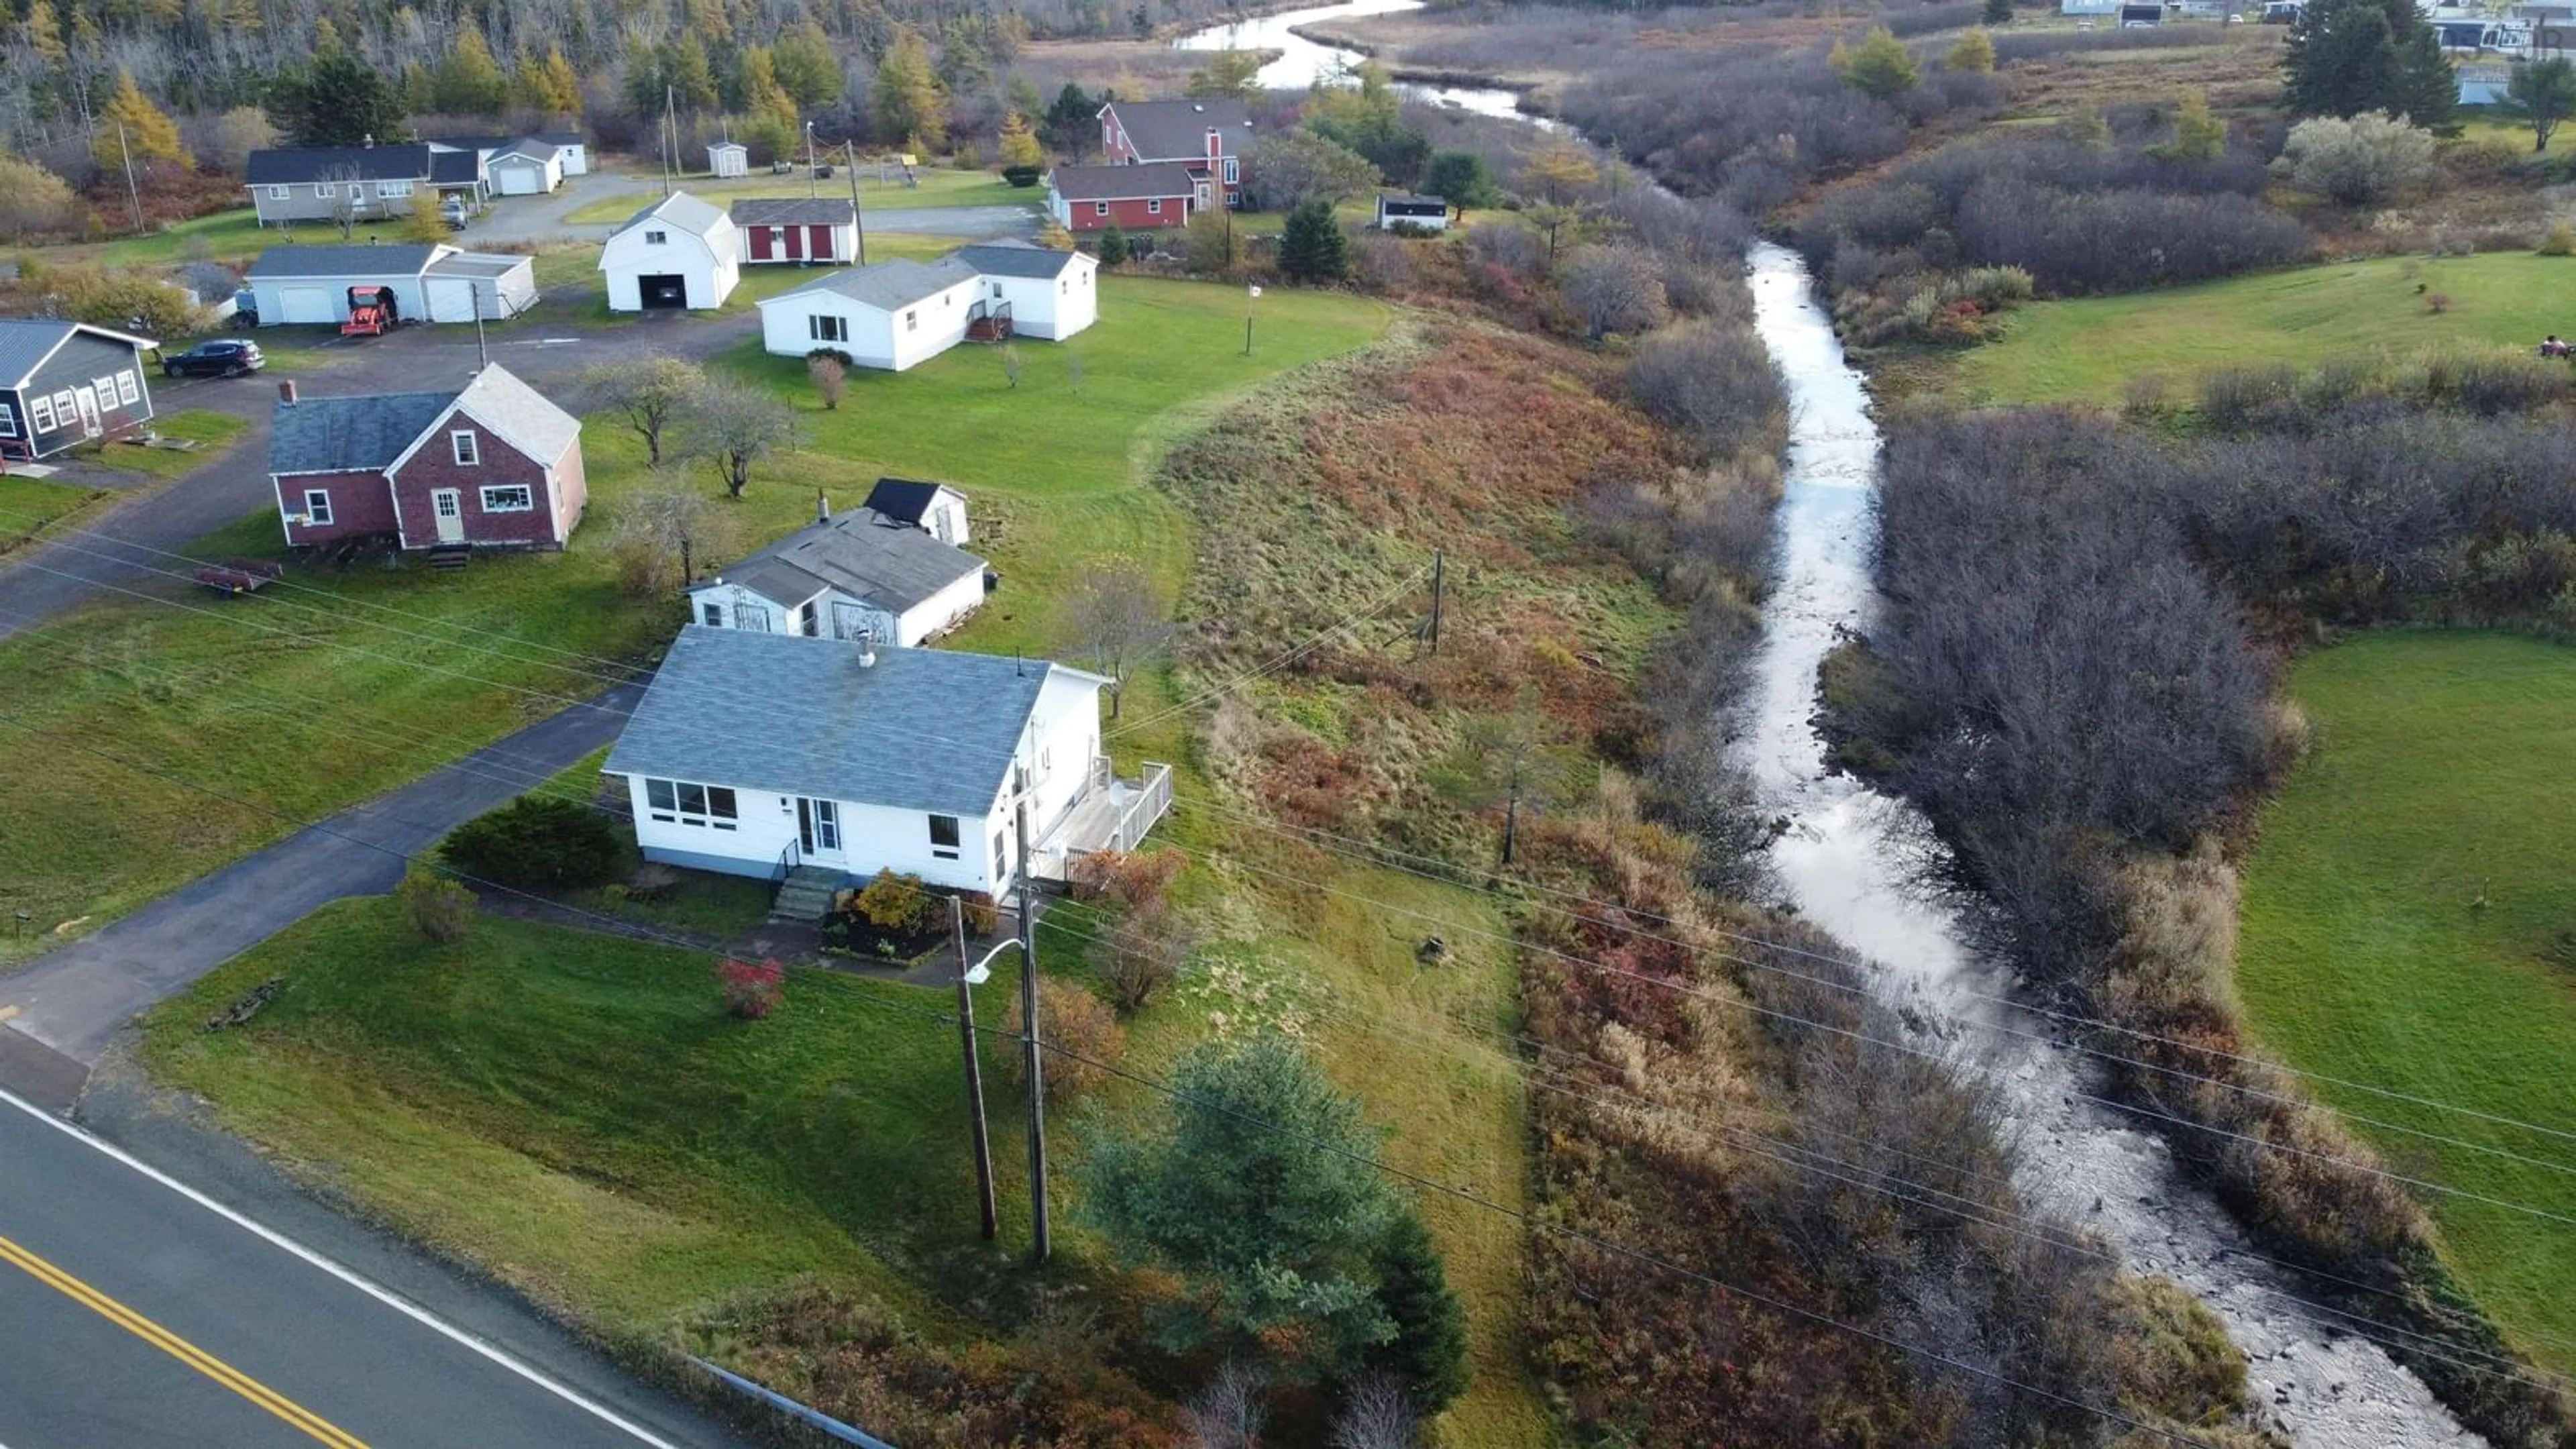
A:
(793, 211)
(1159, 180)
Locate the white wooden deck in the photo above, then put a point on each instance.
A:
(1113, 814)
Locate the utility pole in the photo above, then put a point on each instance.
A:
(1040, 1241)
(1438, 579)
(813, 181)
(671, 134)
(974, 1073)
(131, 194)
(861, 216)
(482, 350)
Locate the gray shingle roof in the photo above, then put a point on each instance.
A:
(359, 263)
(1171, 130)
(520, 413)
(293, 165)
(540, 152)
(1016, 259)
(455, 168)
(28, 341)
(681, 211)
(923, 729)
(887, 285)
(349, 434)
(1406, 198)
(863, 553)
(905, 500)
(793, 211)
(1123, 183)
(479, 264)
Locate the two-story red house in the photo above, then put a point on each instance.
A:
(491, 465)
(1206, 136)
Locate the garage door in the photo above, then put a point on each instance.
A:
(451, 299)
(518, 180)
(663, 289)
(305, 304)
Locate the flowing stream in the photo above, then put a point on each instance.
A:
(1854, 863)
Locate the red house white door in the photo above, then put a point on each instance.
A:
(448, 508)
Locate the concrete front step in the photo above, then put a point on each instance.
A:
(806, 895)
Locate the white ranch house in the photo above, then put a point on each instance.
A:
(862, 575)
(678, 253)
(815, 762)
(895, 315)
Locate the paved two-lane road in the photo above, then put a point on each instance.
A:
(136, 1314)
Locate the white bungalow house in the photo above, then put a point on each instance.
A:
(935, 508)
(1049, 294)
(819, 762)
(679, 252)
(890, 315)
(862, 575)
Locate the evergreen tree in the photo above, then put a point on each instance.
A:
(417, 90)
(1228, 75)
(1880, 66)
(1019, 144)
(148, 135)
(908, 101)
(1072, 119)
(1312, 248)
(1998, 12)
(1113, 245)
(44, 33)
(470, 82)
(1974, 52)
(337, 100)
(2541, 94)
(1428, 1354)
(806, 66)
(1460, 178)
(763, 98)
(691, 79)
(2198, 135)
(2349, 56)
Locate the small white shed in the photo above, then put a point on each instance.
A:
(530, 168)
(497, 285)
(890, 315)
(678, 253)
(729, 159)
(1430, 213)
(1051, 294)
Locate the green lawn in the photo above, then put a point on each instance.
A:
(937, 188)
(2089, 349)
(27, 504)
(213, 433)
(2409, 922)
(230, 236)
(578, 1114)
(1056, 471)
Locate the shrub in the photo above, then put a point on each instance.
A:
(1023, 175)
(2560, 241)
(1142, 955)
(983, 918)
(751, 989)
(2358, 161)
(895, 904)
(1113, 245)
(1131, 880)
(1974, 52)
(830, 371)
(1084, 1035)
(437, 907)
(1615, 289)
(1716, 384)
(2437, 303)
(1313, 248)
(537, 842)
(1880, 66)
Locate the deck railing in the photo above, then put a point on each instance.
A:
(1152, 801)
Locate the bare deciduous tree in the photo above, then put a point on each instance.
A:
(649, 391)
(660, 526)
(731, 427)
(347, 193)
(1377, 1414)
(1229, 1411)
(1011, 364)
(1616, 289)
(1112, 620)
(831, 379)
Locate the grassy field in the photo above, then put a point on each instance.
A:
(213, 433)
(27, 504)
(937, 188)
(2089, 349)
(229, 236)
(2408, 923)
(1055, 466)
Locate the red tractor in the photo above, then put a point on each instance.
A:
(371, 312)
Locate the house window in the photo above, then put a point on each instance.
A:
(467, 448)
(66, 407)
(393, 188)
(317, 508)
(1064, 289)
(127, 390)
(754, 617)
(40, 414)
(105, 387)
(510, 498)
(999, 871)
(1100, 208)
(676, 802)
(656, 238)
(322, 189)
(828, 329)
(911, 321)
(943, 836)
(1154, 205)
(279, 193)
(711, 615)
(8, 421)
(1233, 170)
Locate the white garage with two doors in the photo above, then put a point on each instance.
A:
(309, 286)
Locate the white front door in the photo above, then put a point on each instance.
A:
(88, 410)
(445, 504)
(818, 828)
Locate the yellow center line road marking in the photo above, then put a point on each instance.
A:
(177, 1347)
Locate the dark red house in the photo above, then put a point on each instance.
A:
(1207, 136)
(493, 465)
(1137, 198)
(788, 230)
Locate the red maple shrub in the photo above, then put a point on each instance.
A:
(752, 989)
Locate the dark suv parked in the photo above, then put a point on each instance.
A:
(214, 359)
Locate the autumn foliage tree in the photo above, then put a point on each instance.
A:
(130, 125)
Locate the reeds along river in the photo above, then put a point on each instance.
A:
(1856, 864)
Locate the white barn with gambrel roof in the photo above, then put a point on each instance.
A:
(680, 253)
